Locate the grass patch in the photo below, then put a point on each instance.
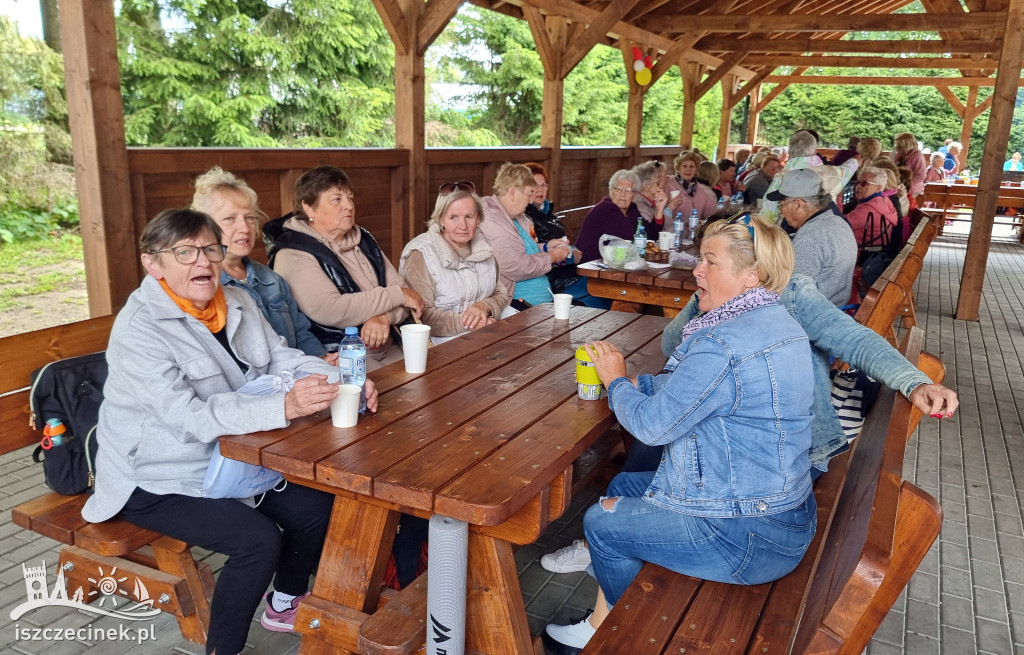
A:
(39, 266)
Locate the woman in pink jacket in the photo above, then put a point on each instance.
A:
(685, 192)
(906, 153)
(874, 213)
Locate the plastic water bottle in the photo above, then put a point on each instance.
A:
(640, 237)
(678, 225)
(737, 198)
(352, 362)
(694, 221)
(721, 202)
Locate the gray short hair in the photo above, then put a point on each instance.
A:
(820, 201)
(623, 175)
(445, 202)
(802, 144)
(646, 173)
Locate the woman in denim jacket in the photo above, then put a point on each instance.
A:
(731, 500)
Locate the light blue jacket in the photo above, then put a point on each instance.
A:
(831, 332)
(734, 417)
(274, 298)
(170, 393)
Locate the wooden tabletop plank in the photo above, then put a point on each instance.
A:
(298, 455)
(511, 364)
(517, 470)
(676, 278)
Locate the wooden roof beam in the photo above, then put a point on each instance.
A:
(726, 44)
(621, 29)
(596, 30)
(824, 61)
(728, 63)
(883, 81)
(751, 23)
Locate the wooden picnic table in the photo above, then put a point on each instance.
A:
(667, 288)
(488, 435)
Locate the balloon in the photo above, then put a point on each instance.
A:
(638, 65)
(643, 77)
(637, 53)
(647, 61)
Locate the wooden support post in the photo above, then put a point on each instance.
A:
(96, 117)
(691, 73)
(755, 115)
(1004, 97)
(549, 36)
(635, 106)
(728, 88)
(968, 124)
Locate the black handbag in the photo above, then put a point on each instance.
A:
(71, 391)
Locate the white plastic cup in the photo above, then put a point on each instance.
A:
(345, 408)
(666, 239)
(563, 301)
(414, 344)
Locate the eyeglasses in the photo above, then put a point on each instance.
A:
(622, 189)
(544, 186)
(745, 220)
(188, 255)
(865, 183)
(464, 185)
(788, 201)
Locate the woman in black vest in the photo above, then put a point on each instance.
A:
(338, 274)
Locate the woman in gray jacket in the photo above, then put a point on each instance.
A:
(178, 352)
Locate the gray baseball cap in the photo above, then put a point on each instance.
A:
(803, 183)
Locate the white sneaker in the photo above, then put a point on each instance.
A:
(575, 635)
(574, 557)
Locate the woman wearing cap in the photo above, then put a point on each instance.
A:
(825, 248)
(752, 485)
(452, 266)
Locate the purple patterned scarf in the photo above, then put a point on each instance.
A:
(746, 301)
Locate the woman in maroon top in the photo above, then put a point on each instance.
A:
(616, 214)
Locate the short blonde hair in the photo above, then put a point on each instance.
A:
(512, 175)
(445, 202)
(904, 142)
(869, 148)
(769, 158)
(708, 170)
(684, 156)
(891, 171)
(770, 252)
(218, 180)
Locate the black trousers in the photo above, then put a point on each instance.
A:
(280, 539)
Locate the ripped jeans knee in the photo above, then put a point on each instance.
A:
(608, 503)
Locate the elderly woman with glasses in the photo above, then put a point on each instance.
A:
(731, 499)
(874, 216)
(339, 275)
(453, 268)
(179, 352)
(523, 262)
(616, 214)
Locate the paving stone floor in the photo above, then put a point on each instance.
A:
(967, 597)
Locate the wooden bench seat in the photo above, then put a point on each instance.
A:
(164, 565)
(956, 203)
(873, 530)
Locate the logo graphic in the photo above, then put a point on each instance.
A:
(109, 591)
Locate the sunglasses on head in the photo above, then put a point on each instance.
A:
(745, 220)
(464, 185)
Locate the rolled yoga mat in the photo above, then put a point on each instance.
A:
(446, 586)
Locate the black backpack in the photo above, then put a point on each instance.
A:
(70, 390)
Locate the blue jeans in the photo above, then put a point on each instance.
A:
(739, 550)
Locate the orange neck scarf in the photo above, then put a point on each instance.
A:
(213, 317)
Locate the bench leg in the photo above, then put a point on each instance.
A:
(175, 557)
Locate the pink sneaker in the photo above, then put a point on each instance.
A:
(281, 621)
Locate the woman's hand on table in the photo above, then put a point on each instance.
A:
(934, 400)
(371, 395)
(375, 331)
(476, 316)
(330, 358)
(309, 395)
(413, 301)
(608, 361)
